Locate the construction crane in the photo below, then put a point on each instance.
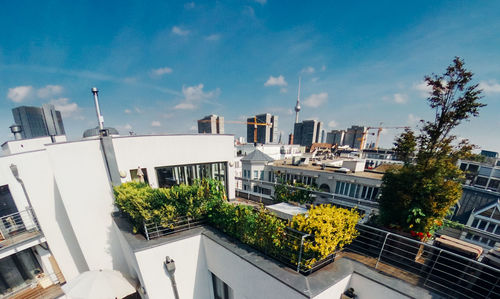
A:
(379, 130)
(254, 123)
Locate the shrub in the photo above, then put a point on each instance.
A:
(284, 192)
(163, 205)
(331, 228)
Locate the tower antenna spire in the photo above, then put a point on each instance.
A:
(297, 106)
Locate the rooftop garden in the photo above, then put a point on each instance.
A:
(305, 243)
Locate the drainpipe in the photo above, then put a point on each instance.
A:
(15, 172)
(170, 266)
(106, 144)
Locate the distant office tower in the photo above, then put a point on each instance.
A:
(335, 137)
(307, 132)
(37, 122)
(265, 133)
(354, 135)
(211, 124)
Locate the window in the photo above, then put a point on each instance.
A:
(482, 224)
(474, 223)
(480, 181)
(169, 176)
(135, 177)
(463, 166)
(221, 289)
(255, 174)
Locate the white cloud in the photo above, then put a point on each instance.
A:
(161, 71)
(155, 123)
(213, 37)
(413, 120)
(49, 91)
(167, 115)
(276, 81)
(332, 124)
(308, 70)
(423, 88)
(317, 99)
(189, 5)
(19, 93)
(127, 111)
(400, 98)
(66, 107)
(261, 1)
(283, 90)
(194, 95)
(490, 86)
(179, 31)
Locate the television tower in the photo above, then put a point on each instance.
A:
(297, 106)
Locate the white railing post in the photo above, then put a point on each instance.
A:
(381, 250)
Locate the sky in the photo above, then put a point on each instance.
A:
(161, 65)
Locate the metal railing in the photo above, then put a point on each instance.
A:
(16, 226)
(153, 230)
(439, 270)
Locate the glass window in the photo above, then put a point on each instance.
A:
(468, 236)
(474, 223)
(352, 191)
(491, 243)
(473, 168)
(186, 174)
(480, 181)
(493, 185)
(482, 224)
(337, 188)
(221, 289)
(497, 230)
(485, 171)
(255, 174)
(463, 166)
(363, 193)
(491, 227)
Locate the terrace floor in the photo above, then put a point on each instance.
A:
(37, 292)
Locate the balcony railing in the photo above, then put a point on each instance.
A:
(424, 265)
(18, 227)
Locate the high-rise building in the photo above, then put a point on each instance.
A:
(335, 137)
(354, 135)
(265, 133)
(211, 124)
(307, 132)
(38, 122)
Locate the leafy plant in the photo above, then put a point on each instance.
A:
(164, 205)
(331, 228)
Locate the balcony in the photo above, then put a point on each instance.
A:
(18, 227)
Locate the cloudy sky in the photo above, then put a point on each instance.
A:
(161, 65)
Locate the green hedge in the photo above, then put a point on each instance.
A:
(163, 205)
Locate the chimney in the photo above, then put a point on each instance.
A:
(16, 130)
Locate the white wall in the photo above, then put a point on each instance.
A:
(192, 277)
(85, 190)
(368, 289)
(36, 172)
(156, 151)
(25, 145)
(336, 290)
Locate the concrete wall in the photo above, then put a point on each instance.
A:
(192, 277)
(156, 151)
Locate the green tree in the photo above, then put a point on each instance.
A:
(418, 195)
(405, 146)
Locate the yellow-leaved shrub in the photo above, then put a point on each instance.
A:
(331, 228)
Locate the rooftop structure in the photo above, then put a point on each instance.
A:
(307, 132)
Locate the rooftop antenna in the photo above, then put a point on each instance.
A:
(100, 119)
(297, 106)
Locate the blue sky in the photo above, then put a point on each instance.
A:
(161, 65)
